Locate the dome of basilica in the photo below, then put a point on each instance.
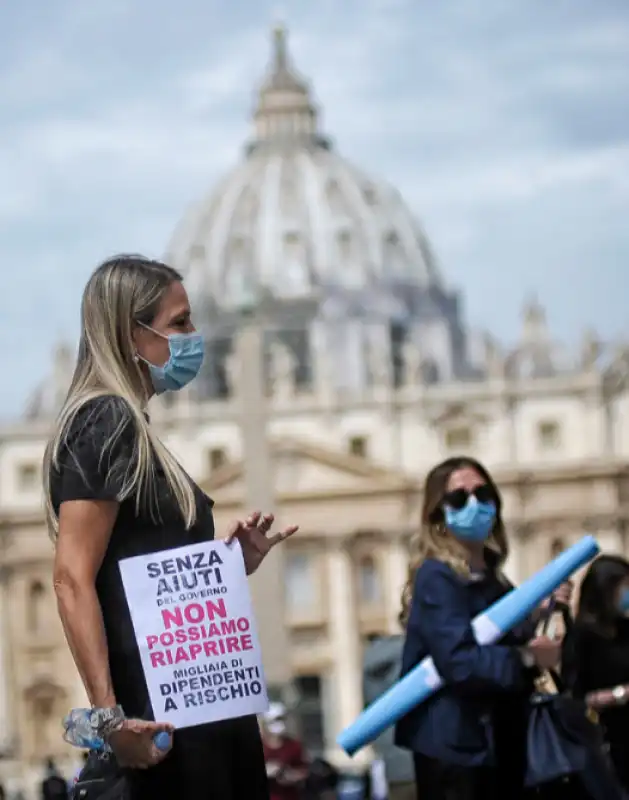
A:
(294, 217)
(338, 266)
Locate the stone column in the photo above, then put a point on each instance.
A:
(516, 567)
(345, 646)
(610, 540)
(397, 564)
(267, 585)
(7, 721)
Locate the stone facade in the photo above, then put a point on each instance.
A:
(349, 471)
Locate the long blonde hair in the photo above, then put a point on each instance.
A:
(432, 540)
(122, 292)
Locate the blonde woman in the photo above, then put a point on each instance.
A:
(113, 491)
(468, 741)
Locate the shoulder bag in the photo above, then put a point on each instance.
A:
(565, 741)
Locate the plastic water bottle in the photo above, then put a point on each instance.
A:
(80, 730)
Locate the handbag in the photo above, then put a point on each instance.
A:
(100, 779)
(564, 740)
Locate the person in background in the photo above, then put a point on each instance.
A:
(54, 786)
(595, 663)
(468, 740)
(286, 764)
(381, 669)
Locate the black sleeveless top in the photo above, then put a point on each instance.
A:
(93, 463)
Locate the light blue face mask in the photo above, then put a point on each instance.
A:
(186, 356)
(623, 601)
(473, 523)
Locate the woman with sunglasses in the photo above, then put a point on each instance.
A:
(468, 741)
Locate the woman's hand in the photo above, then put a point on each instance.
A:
(272, 769)
(562, 596)
(545, 652)
(252, 535)
(133, 744)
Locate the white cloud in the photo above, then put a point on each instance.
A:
(500, 126)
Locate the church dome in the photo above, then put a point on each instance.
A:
(294, 217)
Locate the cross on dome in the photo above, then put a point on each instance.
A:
(284, 111)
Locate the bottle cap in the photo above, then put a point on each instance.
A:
(162, 740)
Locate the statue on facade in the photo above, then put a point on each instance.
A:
(590, 350)
(282, 375)
(379, 363)
(232, 374)
(412, 359)
(322, 361)
(494, 360)
(534, 326)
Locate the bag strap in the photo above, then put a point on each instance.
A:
(557, 608)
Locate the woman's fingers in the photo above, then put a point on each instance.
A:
(147, 726)
(253, 519)
(238, 526)
(280, 537)
(234, 529)
(159, 754)
(265, 523)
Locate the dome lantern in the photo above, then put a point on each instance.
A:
(284, 112)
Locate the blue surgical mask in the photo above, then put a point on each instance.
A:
(474, 522)
(623, 601)
(183, 365)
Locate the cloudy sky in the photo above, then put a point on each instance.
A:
(506, 129)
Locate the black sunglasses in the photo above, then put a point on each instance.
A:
(458, 498)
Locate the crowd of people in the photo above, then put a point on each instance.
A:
(113, 491)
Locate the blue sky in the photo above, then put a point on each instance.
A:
(504, 124)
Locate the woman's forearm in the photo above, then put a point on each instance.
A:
(82, 620)
(604, 698)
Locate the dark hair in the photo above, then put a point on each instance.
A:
(597, 600)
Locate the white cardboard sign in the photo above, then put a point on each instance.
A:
(194, 625)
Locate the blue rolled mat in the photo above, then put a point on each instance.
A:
(423, 681)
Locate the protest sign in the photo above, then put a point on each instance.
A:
(193, 621)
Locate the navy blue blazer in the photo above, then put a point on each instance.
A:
(457, 725)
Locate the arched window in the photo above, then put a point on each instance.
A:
(369, 587)
(394, 255)
(45, 702)
(429, 371)
(239, 283)
(294, 265)
(336, 200)
(36, 607)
